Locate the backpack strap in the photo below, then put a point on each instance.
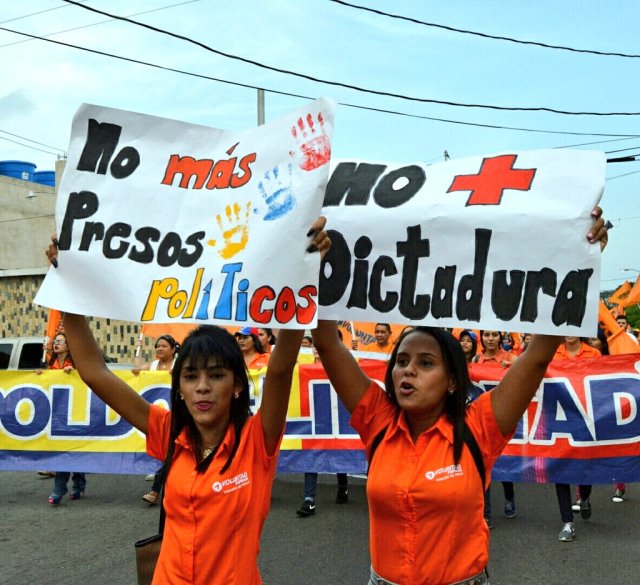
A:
(472, 445)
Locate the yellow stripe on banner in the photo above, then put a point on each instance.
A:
(30, 402)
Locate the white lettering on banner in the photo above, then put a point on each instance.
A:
(442, 245)
(226, 486)
(444, 473)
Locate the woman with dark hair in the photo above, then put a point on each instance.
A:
(493, 350)
(255, 357)
(267, 338)
(429, 456)
(61, 360)
(469, 343)
(219, 460)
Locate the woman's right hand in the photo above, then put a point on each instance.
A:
(52, 251)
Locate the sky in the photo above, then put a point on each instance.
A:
(44, 83)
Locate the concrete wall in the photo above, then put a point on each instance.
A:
(26, 224)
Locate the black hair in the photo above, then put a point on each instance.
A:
(499, 343)
(170, 340)
(385, 325)
(474, 343)
(200, 345)
(456, 365)
(256, 341)
(271, 338)
(54, 357)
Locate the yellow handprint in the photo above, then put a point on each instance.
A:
(235, 234)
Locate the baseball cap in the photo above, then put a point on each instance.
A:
(248, 331)
(469, 333)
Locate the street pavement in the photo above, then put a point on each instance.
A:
(90, 541)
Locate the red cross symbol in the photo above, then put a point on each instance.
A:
(496, 175)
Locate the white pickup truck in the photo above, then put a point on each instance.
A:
(25, 353)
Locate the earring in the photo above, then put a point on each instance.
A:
(181, 396)
(451, 391)
(236, 395)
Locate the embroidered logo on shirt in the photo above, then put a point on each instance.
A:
(226, 486)
(445, 473)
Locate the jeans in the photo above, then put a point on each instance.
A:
(563, 491)
(311, 480)
(61, 479)
(480, 579)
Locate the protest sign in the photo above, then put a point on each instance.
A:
(583, 425)
(164, 221)
(494, 242)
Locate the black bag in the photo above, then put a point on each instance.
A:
(148, 549)
(147, 552)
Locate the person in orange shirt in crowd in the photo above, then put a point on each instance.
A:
(255, 357)
(573, 348)
(493, 352)
(426, 473)
(219, 460)
(383, 342)
(61, 360)
(469, 343)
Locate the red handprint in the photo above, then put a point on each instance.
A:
(315, 148)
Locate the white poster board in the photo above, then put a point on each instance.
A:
(496, 242)
(163, 221)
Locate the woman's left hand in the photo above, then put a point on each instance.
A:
(321, 241)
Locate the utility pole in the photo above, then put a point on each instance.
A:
(260, 107)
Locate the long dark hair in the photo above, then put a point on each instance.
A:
(456, 365)
(200, 345)
(500, 343)
(54, 358)
(474, 343)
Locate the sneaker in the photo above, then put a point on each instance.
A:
(576, 507)
(150, 477)
(54, 499)
(342, 497)
(585, 509)
(567, 533)
(308, 508)
(509, 509)
(618, 496)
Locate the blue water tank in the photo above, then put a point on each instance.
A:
(17, 169)
(45, 178)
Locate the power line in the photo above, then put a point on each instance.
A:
(29, 140)
(620, 176)
(86, 25)
(347, 85)
(35, 13)
(29, 146)
(300, 96)
(485, 35)
(596, 142)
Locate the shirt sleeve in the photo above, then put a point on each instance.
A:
(372, 414)
(158, 428)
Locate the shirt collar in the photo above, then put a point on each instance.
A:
(442, 426)
(183, 441)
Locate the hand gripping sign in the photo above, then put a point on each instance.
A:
(163, 221)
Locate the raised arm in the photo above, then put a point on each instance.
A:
(102, 381)
(277, 383)
(345, 375)
(89, 362)
(514, 393)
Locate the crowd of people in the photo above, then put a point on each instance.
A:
(425, 417)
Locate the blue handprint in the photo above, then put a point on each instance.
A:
(276, 191)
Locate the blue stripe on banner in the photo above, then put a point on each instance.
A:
(603, 470)
(329, 461)
(129, 463)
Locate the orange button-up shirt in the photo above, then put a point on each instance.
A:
(501, 356)
(425, 513)
(213, 521)
(585, 351)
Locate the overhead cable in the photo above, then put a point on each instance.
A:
(485, 35)
(347, 85)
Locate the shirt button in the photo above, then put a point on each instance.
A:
(413, 460)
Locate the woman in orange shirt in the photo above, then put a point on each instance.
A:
(254, 354)
(424, 484)
(219, 460)
(61, 360)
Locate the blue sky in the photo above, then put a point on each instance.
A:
(43, 84)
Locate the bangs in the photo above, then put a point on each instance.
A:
(210, 342)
